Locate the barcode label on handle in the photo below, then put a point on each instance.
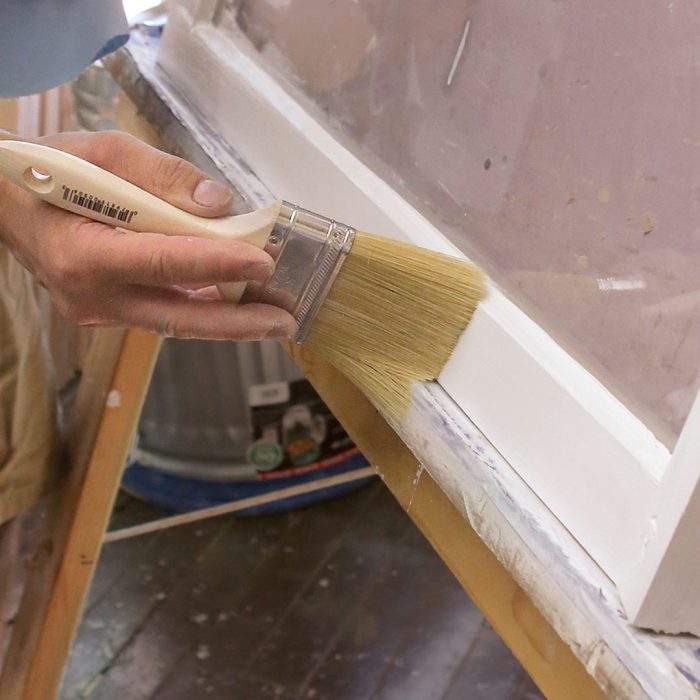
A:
(99, 206)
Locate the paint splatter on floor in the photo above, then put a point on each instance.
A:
(344, 600)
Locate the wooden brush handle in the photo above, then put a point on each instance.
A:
(71, 183)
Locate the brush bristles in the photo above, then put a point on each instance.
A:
(393, 317)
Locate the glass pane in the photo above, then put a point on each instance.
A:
(558, 144)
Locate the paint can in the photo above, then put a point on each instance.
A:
(227, 421)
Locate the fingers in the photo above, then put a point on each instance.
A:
(158, 260)
(99, 275)
(180, 313)
(166, 176)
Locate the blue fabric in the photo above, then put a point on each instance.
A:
(44, 43)
(181, 493)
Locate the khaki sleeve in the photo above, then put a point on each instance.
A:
(29, 442)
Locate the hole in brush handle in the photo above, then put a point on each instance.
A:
(38, 180)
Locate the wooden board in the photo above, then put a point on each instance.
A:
(109, 402)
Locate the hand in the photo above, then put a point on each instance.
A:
(98, 275)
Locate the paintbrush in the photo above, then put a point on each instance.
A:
(387, 314)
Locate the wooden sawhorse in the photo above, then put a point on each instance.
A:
(112, 391)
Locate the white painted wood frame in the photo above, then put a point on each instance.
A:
(628, 501)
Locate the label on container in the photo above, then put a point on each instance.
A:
(268, 394)
(294, 432)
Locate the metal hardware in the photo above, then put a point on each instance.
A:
(308, 250)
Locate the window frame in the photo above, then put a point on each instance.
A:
(619, 491)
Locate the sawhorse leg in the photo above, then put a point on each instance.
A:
(116, 376)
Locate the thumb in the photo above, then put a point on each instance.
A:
(170, 178)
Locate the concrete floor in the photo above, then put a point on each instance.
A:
(344, 600)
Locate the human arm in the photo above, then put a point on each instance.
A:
(98, 275)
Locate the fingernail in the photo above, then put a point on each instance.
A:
(279, 331)
(258, 272)
(210, 193)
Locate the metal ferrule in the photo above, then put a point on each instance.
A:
(308, 250)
